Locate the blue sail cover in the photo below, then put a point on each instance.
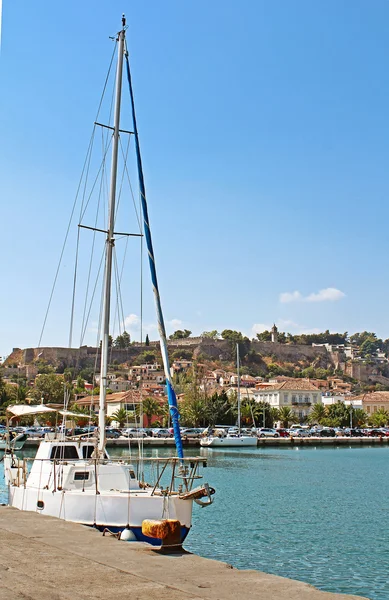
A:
(172, 398)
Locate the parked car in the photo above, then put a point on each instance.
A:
(33, 432)
(267, 432)
(112, 434)
(326, 432)
(282, 432)
(375, 432)
(162, 433)
(355, 432)
(134, 432)
(193, 432)
(300, 432)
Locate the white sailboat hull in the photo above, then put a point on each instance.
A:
(103, 494)
(113, 510)
(230, 442)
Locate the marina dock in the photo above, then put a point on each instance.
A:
(43, 558)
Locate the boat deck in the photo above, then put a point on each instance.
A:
(43, 558)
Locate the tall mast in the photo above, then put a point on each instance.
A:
(110, 242)
(238, 371)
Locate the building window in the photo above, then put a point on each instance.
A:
(286, 397)
(294, 399)
(307, 399)
(315, 398)
(300, 398)
(374, 409)
(368, 409)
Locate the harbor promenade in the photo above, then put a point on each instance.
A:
(43, 558)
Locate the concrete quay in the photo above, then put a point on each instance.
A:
(195, 443)
(43, 558)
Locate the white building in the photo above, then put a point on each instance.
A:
(297, 394)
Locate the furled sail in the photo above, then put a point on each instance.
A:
(172, 399)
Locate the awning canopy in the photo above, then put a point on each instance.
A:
(22, 410)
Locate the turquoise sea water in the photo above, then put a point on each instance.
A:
(320, 515)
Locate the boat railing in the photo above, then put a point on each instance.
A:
(182, 474)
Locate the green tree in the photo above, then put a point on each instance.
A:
(50, 387)
(317, 414)
(152, 408)
(123, 341)
(180, 334)
(338, 415)
(147, 342)
(213, 335)
(219, 409)
(122, 416)
(286, 415)
(43, 367)
(379, 418)
(264, 336)
(359, 417)
(264, 417)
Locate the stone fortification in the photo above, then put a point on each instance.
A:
(201, 347)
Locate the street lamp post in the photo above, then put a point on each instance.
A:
(264, 415)
(351, 415)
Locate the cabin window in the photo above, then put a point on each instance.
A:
(81, 476)
(87, 451)
(63, 452)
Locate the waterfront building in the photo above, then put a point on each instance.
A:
(371, 402)
(298, 394)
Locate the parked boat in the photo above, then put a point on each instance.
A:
(15, 442)
(74, 478)
(219, 438)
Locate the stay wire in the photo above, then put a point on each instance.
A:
(66, 238)
(75, 200)
(92, 253)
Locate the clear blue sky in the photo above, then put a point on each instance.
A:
(264, 132)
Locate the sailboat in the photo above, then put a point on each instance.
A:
(75, 479)
(234, 440)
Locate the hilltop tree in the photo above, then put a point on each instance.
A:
(210, 334)
(123, 341)
(264, 336)
(180, 334)
(236, 337)
(147, 342)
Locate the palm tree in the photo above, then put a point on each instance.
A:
(359, 417)
(286, 415)
(192, 412)
(151, 408)
(84, 412)
(317, 414)
(122, 416)
(379, 418)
